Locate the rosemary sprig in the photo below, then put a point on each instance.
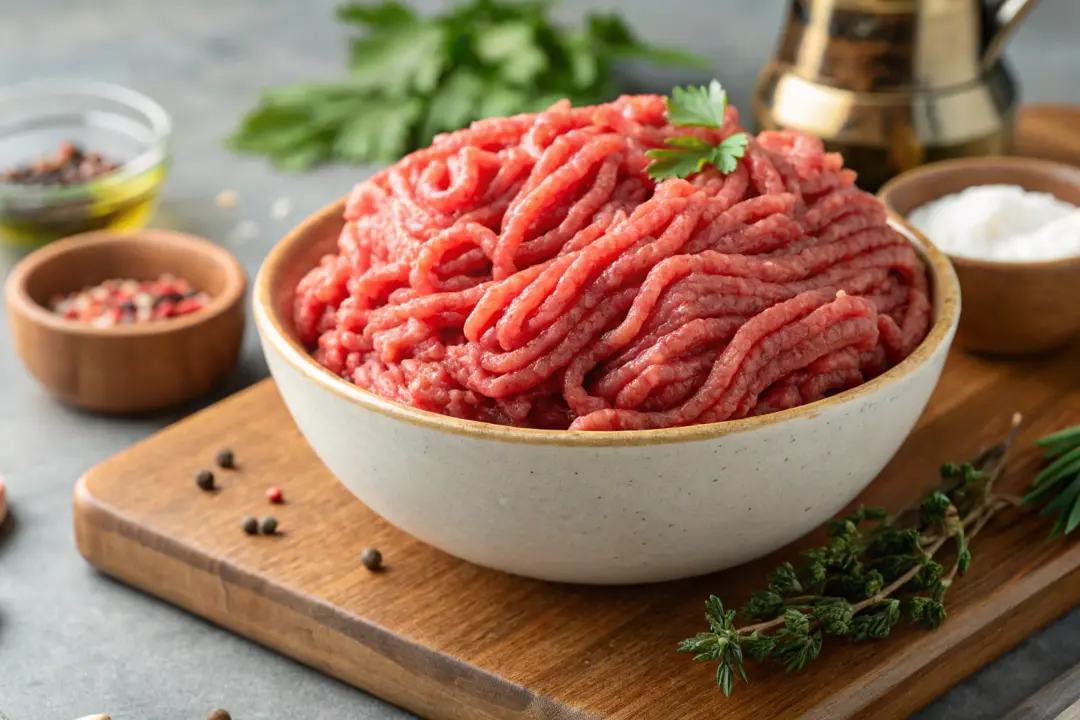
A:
(1058, 485)
(874, 568)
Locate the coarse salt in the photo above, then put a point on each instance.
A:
(281, 208)
(1001, 222)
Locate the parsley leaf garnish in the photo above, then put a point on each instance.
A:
(726, 155)
(688, 156)
(696, 107)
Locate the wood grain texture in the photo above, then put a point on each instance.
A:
(1049, 131)
(450, 640)
(128, 368)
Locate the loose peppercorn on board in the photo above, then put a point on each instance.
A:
(450, 640)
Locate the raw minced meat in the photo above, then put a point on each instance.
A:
(527, 271)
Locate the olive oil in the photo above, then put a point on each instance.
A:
(113, 202)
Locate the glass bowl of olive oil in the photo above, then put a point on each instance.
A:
(77, 156)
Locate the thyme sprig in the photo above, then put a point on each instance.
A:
(874, 568)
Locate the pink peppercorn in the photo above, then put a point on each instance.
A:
(126, 302)
(273, 494)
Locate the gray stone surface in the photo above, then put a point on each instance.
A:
(73, 642)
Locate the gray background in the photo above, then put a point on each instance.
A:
(73, 642)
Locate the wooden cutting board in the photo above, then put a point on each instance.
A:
(450, 640)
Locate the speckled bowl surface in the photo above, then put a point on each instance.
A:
(597, 507)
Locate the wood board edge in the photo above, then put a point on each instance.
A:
(910, 685)
(342, 646)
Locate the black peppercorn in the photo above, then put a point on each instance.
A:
(205, 480)
(268, 525)
(372, 559)
(225, 459)
(250, 525)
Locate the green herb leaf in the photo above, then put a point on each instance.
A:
(895, 542)
(662, 56)
(1059, 468)
(971, 475)
(928, 576)
(835, 616)
(610, 30)
(380, 131)
(1065, 506)
(862, 514)
(1069, 437)
(856, 584)
(303, 157)
(798, 653)
(400, 60)
(796, 623)
(583, 64)
(698, 106)
(454, 104)
(718, 619)
(764, 605)
(725, 678)
(757, 645)
(726, 155)
(703, 646)
(384, 15)
(783, 581)
(291, 135)
(877, 622)
(949, 470)
(934, 508)
(1074, 516)
(500, 100)
(692, 154)
(676, 163)
(612, 33)
(513, 50)
(500, 57)
(928, 612)
(963, 561)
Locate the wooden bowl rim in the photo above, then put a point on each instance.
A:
(977, 164)
(18, 298)
(275, 337)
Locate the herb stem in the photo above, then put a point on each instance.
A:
(980, 520)
(898, 549)
(901, 581)
(801, 599)
(762, 626)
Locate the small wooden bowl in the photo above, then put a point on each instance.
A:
(128, 368)
(1009, 308)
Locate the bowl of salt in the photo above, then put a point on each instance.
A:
(1011, 227)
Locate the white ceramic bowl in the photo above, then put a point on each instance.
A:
(597, 507)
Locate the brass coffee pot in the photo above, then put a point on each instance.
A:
(894, 83)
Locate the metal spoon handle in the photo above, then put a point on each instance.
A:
(1002, 19)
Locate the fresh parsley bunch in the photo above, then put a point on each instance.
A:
(411, 77)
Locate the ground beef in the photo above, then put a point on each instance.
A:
(526, 271)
